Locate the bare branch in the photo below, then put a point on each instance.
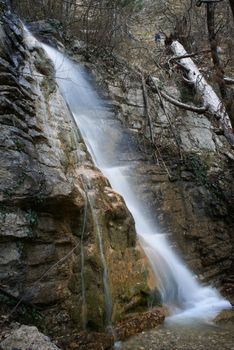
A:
(198, 110)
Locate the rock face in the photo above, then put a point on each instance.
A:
(186, 178)
(50, 257)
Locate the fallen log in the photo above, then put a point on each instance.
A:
(204, 90)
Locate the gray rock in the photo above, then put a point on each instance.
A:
(27, 337)
(78, 45)
(135, 97)
(196, 134)
(9, 254)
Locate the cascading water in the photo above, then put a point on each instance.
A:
(179, 289)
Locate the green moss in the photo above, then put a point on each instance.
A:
(9, 192)
(31, 217)
(74, 284)
(76, 312)
(199, 167)
(187, 93)
(194, 164)
(25, 314)
(155, 299)
(95, 263)
(95, 309)
(20, 146)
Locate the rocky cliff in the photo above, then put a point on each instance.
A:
(50, 261)
(185, 165)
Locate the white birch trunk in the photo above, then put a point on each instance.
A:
(206, 92)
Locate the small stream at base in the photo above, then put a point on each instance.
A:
(188, 300)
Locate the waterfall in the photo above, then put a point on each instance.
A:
(186, 297)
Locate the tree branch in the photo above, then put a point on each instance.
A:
(229, 81)
(199, 110)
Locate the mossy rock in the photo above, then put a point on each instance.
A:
(95, 306)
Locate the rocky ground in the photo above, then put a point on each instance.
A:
(202, 337)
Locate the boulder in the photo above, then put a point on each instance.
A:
(27, 338)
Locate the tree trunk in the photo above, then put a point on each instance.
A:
(232, 6)
(219, 70)
(214, 52)
(4, 4)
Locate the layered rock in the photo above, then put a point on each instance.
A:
(50, 260)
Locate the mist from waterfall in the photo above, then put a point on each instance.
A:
(186, 297)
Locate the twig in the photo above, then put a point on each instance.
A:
(145, 95)
(151, 80)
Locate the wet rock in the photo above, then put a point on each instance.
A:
(228, 288)
(226, 316)
(47, 30)
(187, 175)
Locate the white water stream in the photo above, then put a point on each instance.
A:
(186, 297)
